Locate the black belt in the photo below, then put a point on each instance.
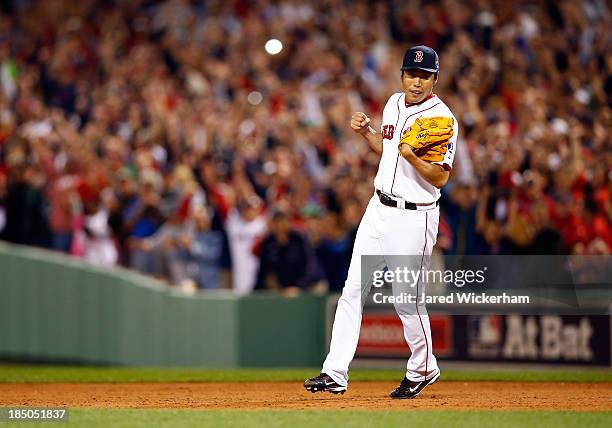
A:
(391, 202)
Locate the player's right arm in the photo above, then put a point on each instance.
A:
(360, 123)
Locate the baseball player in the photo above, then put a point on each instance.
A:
(417, 143)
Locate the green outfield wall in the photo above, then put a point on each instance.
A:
(54, 308)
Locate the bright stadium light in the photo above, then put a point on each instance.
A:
(273, 46)
(254, 98)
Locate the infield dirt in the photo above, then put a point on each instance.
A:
(291, 395)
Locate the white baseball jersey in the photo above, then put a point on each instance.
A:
(395, 174)
(242, 236)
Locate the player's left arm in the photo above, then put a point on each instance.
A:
(436, 174)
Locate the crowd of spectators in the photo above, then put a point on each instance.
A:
(160, 135)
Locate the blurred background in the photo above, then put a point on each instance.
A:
(207, 143)
(207, 146)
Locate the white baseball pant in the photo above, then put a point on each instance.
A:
(383, 231)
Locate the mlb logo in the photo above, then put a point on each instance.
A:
(489, 331)
(485, 336)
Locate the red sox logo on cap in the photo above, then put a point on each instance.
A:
(419, 56)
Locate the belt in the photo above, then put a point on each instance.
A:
(394, 202)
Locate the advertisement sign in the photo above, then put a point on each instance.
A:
(382, 335)
(539, 338)
(510, 337)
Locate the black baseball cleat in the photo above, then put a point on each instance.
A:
(410, 389)
(323, 383)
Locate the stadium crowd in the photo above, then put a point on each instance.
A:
(163, 137)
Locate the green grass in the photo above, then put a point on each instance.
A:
(345, 419)
(43, 374)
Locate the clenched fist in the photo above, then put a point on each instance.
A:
(360, 122)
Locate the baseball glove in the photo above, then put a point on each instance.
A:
(429, 137)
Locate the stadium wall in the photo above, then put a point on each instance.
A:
(57, 309)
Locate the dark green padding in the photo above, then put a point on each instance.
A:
(56, 309)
